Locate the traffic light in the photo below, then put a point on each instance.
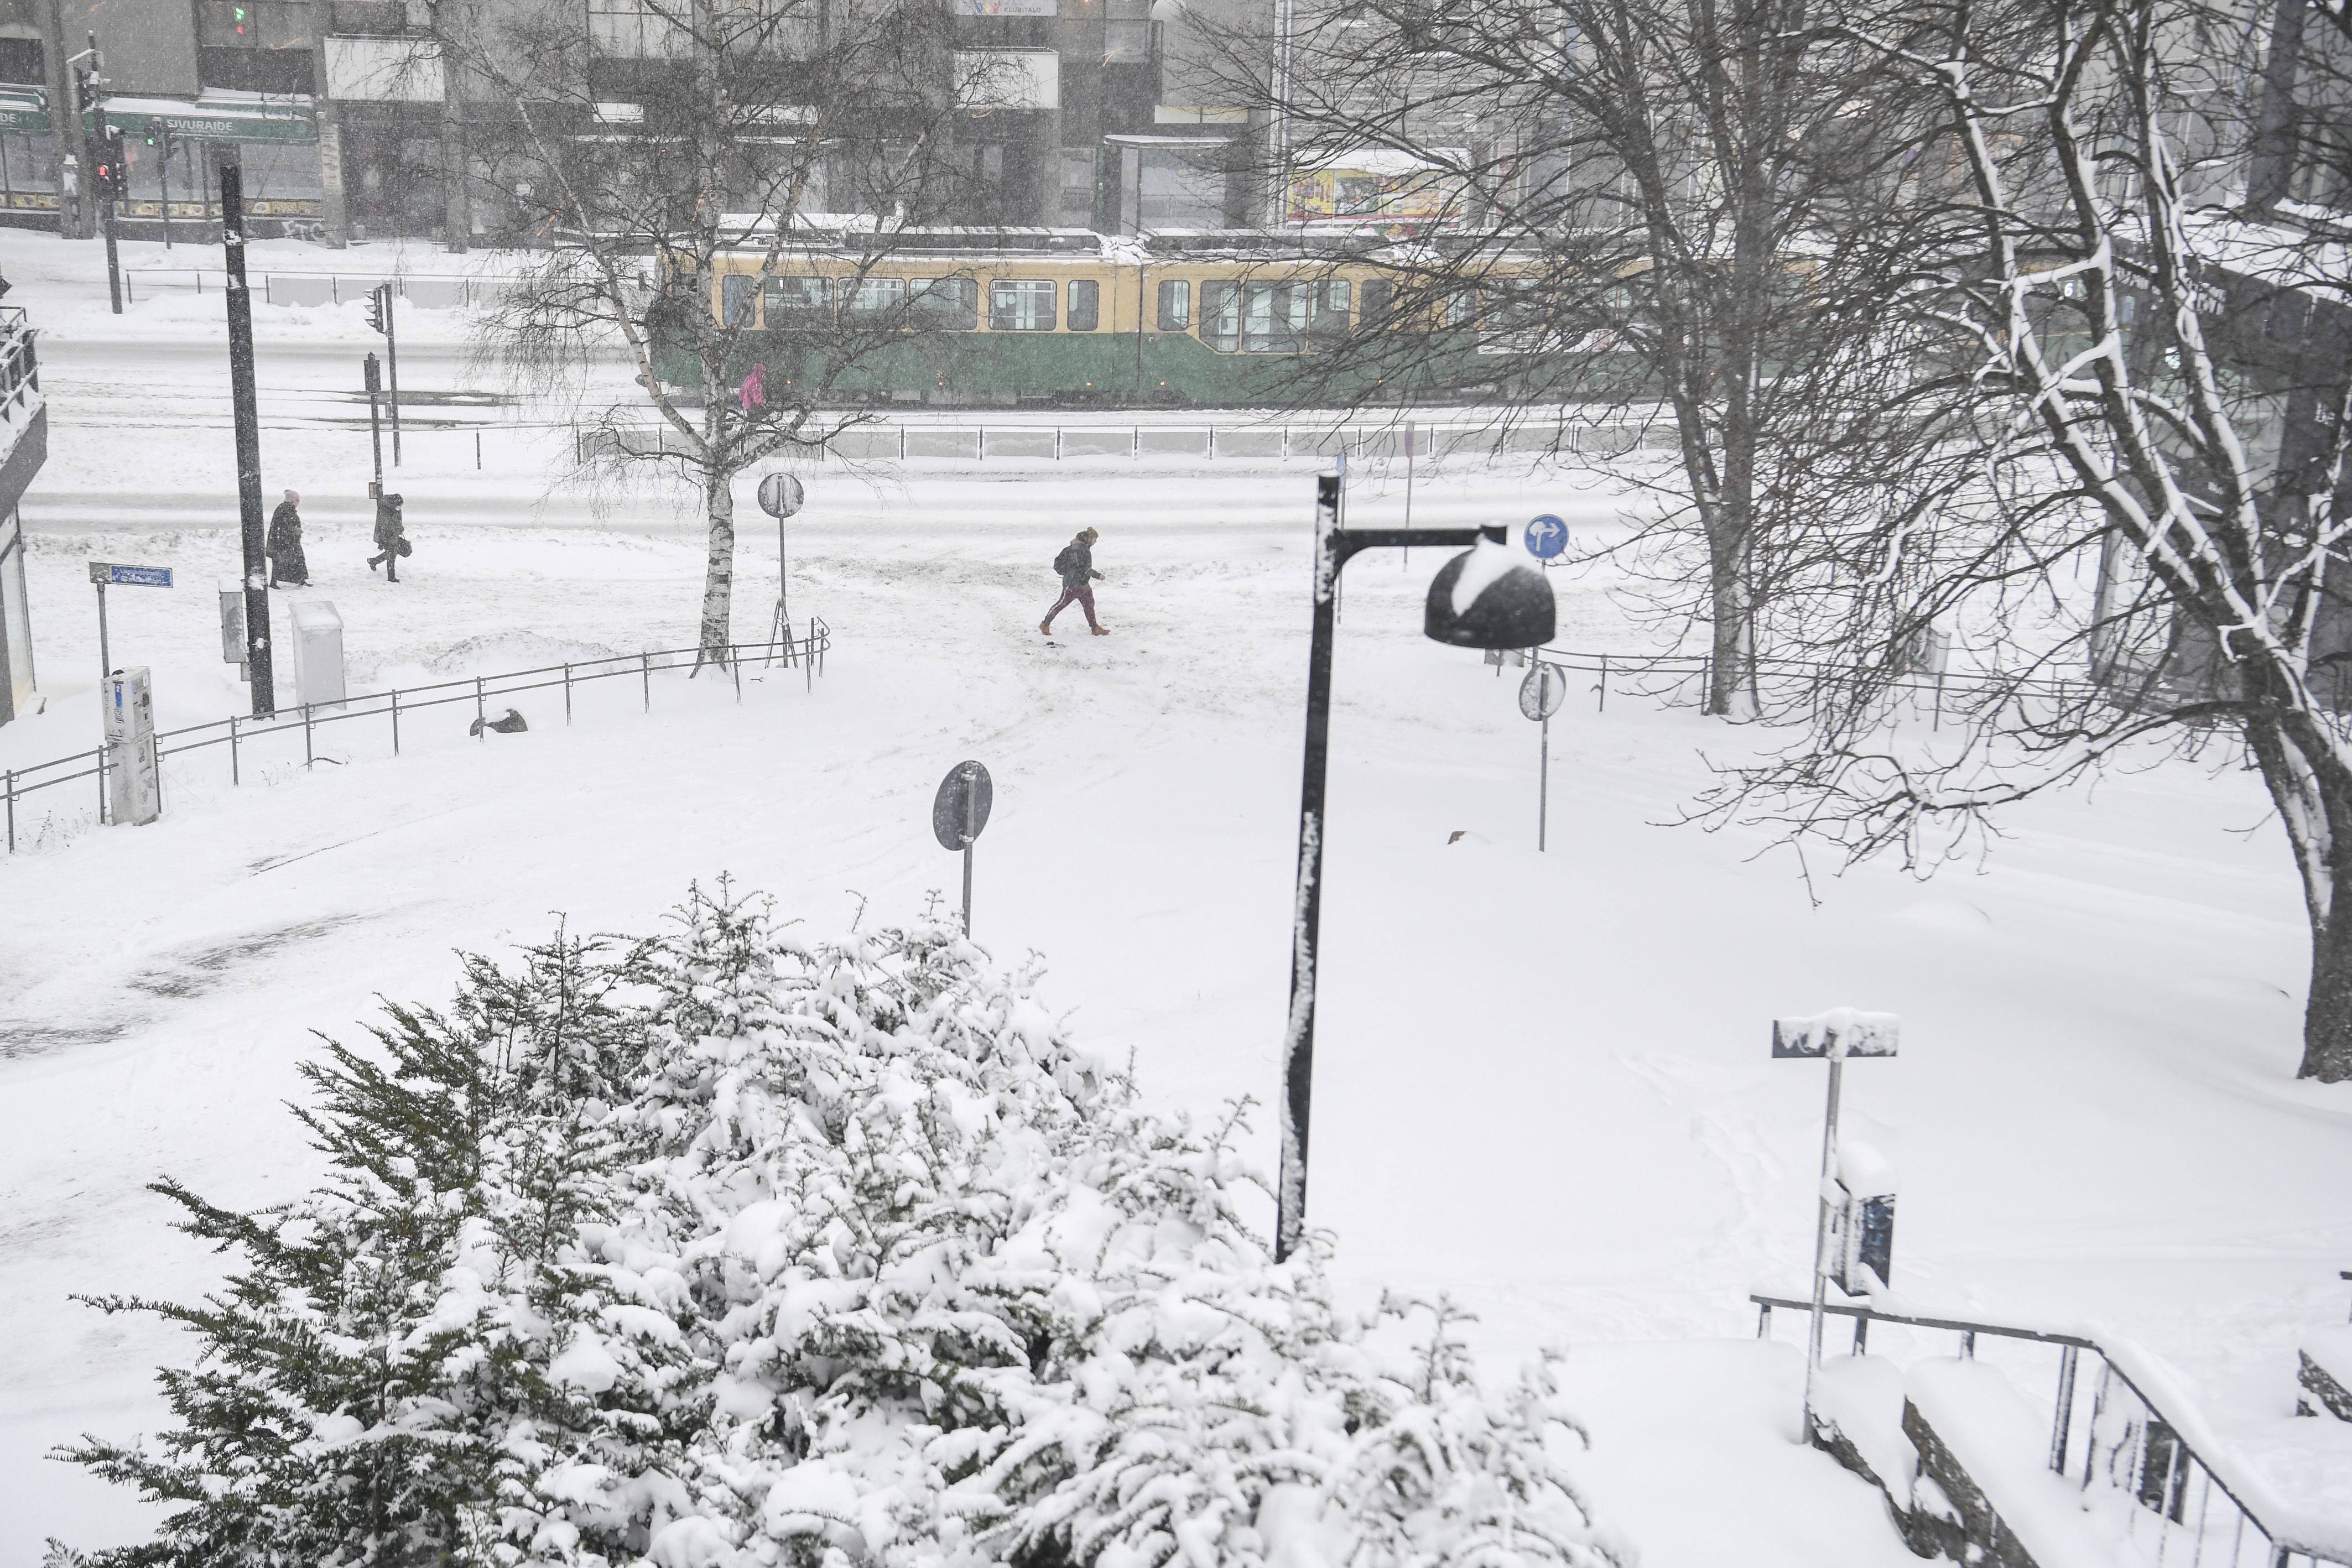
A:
(113, 168)
(240, 19)
(379, 306)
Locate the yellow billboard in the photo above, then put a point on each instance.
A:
(1382, 190)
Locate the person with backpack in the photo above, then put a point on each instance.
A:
(390, 538)
(1076, 566)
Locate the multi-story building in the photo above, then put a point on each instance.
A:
(1112, 118)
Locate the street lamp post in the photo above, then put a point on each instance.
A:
(1484, 598)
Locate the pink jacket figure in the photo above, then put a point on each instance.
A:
(755, 388)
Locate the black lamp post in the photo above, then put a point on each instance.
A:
(1486, 597)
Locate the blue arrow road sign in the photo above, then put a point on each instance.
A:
(1546, 536)
(109, 572)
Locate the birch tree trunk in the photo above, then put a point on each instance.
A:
(719, 569)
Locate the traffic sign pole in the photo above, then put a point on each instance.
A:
(1543, 787)
(971, 837)
(1540, 695)
(959, 815)
(779, 497)
(105, 659)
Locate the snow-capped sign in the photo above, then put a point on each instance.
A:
(1546, 536)
(780, 495)
(107, 573)
(1840, 1033)
(960, 810)
(1543, 691)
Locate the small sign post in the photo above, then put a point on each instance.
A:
(1540, 695)
(101, 573)
(1833, 1036)
(779, 497)
(958, 813)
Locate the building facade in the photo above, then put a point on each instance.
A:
(346, 127)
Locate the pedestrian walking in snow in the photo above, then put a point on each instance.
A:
(288, 567)
(1076, 566)
(389, 537)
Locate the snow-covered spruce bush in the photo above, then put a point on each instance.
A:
(729, 1249)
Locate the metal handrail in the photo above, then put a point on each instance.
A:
(2284, 1543)
(807, 652)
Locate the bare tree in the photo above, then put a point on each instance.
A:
(709, 187)
(1660, 207)
(2133, 510)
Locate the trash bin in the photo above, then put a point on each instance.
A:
(317, 653)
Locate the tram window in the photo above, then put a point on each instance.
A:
(1329, 326)
(1273, 318)
(871, 299)
(796, 301)
(737, 294)
(1175, 306)
(1461, 308)
(1221, 317)
(1085, 305)
(949, 304)
(1021, 305)
(1378, 293)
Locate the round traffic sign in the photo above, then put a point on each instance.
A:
(1543, 691)
(1546, 536)
(780, 495)
(960, 810)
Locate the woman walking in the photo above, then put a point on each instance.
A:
(390, 538)
(288, 567)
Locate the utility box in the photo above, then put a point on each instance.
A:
(134, 789)
(1861, 1227)
(232, 606)
(317, 653)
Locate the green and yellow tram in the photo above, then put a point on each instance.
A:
(1070, 318)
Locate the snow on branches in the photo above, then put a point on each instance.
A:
(729, 1247)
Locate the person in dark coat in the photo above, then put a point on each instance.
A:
(1076, 566)
(389, 537)
(287, 566)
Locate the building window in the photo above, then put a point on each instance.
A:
(947, 303)
(1021, 305)
(1085, 305)
(254, 45)
(22, 62)
(253, 25)
(638, 30)
(1175, 306)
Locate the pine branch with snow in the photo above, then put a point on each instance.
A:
(734, 1248)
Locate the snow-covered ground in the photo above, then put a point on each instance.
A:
(1542, 1080)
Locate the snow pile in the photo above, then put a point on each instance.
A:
(729, 1247)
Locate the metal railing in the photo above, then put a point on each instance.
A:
(20, 369)
(979, 442)
(2180, 1487)
(238, 733)
(425, 290)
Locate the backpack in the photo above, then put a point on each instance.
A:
(1065, 564)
